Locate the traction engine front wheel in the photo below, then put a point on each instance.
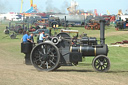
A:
(101, 63)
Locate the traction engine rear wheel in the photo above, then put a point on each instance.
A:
(101, 63)
(45, 57)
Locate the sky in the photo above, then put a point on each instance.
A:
(61, 5)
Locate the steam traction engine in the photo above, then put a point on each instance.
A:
(64, 51)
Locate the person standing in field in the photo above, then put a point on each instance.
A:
(41, 37)
(27, 44)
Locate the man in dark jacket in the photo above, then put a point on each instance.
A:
(26, 39)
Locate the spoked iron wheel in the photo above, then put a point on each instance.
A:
(45, 57)
(101, 63)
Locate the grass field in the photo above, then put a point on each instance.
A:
(13, 71)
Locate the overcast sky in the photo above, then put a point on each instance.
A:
(61, 5)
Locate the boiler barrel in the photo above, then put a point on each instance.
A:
(90, 50)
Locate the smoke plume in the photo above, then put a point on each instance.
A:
(3, 6)
(50, 7)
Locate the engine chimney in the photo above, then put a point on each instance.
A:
(102, 29)
(65, 22)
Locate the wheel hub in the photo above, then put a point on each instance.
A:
(101, 63)
(45, 57)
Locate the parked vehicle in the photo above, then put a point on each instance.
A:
(121, 25)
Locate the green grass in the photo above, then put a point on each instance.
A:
(118, 55)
